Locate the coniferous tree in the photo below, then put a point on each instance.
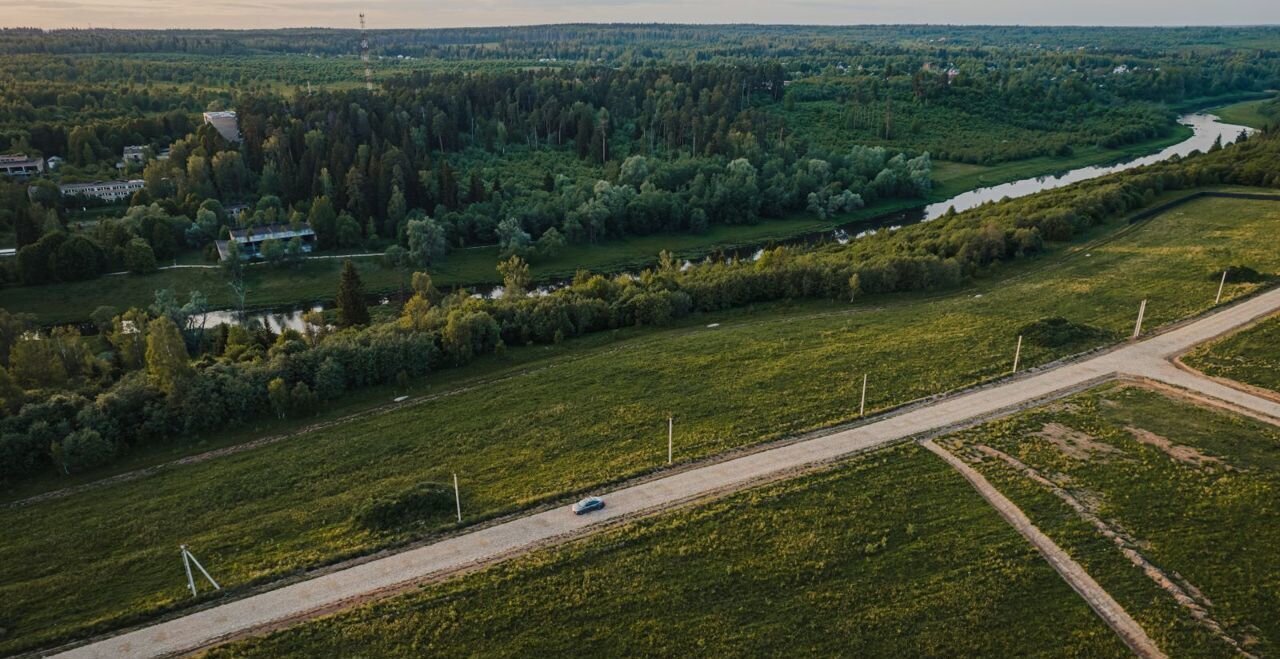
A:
(351, 305)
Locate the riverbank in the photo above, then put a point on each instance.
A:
(315, 280)
(1245, 113)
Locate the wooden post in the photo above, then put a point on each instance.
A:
(862, 407)
(1221, 284)
(1142, 311)
(1017, 352)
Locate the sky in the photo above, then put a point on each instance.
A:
(420, 13)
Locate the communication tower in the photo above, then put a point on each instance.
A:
(364, 55)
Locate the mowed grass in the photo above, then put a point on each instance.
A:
(892, 555)
(595, 416)
(1251, 356)
(1203, 509)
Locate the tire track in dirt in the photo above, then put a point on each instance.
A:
(1094, 595)
(1183, 592)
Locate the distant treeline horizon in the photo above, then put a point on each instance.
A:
(650, 37)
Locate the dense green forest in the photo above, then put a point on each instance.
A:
(654, 41)
(590, 144)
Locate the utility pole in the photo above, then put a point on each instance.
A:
(187, 559)
(670, 435)
(862, 407)
(1142, 311)
(1221, 284)
(364, 55)
(457, 496)
(1017, 353)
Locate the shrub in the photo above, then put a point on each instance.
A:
(1057, 332)
(427, 502)
(1240, 274)
(85, 449)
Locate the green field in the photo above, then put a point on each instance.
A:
(595, 416)
(1244, 113)
(316, 280)
(1192, 490)
(892, 555)
(1251, 356)
(954, 178)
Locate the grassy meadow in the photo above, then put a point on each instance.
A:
(1191, 489)
(593, 416)
(890, 555)
(1251, 356)
(1244, 113)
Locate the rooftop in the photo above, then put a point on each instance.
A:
(270, 231)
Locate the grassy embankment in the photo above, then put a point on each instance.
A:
(891, 555)
(317, 280)
(1244, 113)
(1251, 356)
(76, 564)
(1193, 490)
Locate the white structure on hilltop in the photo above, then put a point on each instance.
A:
(226, 123)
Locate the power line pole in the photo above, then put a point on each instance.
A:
(670, 435)
(457, 496)
(187, 560)
(1221, 284)
(1017, 353)
(862, 407)
(364, 55)
(1142, 311)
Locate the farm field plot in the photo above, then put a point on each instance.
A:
(1251, 356)
(891, 554)
(77, 564)
(1189, 492)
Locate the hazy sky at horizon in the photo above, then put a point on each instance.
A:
(417, 13)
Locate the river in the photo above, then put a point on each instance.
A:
(1206, 129)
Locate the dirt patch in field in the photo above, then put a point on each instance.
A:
(1073, 443)
(1188, 455)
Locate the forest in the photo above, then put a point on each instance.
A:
(533, 158)
(154, 375)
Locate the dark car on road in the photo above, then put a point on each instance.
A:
(587, 505)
